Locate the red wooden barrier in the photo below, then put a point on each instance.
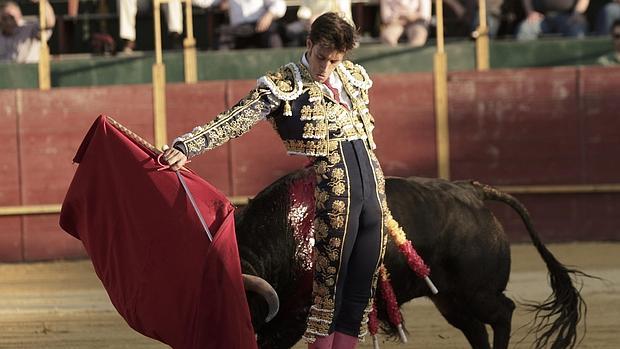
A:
(402, 106)
(508, 127)
(10, 227)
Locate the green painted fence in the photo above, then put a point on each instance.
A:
(86, 70)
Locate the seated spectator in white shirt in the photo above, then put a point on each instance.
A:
(127, 11)
(309, 10)
(20, 39)
(409, 16)
(252, 22)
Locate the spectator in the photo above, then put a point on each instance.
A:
(606, 17)
(614, 57)
(494, 12)
(565, 17)
(252, 22)
(297, 32)
(312, 9)
(410, 16)
(20, 40)
(127, 10)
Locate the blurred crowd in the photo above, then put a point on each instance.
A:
(278, 23)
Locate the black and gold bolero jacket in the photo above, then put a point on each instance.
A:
(309, 121)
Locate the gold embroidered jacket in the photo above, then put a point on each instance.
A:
(309, 121)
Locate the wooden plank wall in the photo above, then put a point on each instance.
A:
(507, 127)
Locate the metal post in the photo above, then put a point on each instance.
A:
(189, 47)
(159, 83)
(440, 70)
(482, 38)
(44, 55)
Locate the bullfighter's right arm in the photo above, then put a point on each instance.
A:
(270, 98)
(232, 123)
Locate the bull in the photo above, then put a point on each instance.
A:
(452, 229)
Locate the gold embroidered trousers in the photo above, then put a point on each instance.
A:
(349, 239)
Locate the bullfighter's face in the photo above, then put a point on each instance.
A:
(322, 60)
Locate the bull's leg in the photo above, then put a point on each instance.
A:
(457, 316)
(495, 310)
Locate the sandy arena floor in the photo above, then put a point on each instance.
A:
(63, 305)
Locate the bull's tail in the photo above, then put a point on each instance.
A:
(556, 319)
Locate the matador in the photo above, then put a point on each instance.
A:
(319, 108)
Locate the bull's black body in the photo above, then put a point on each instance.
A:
(451, 228)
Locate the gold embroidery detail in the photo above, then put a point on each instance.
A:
(333, 255)
(319, 147)
(306, 112)
(321, 197)
(316, 111)
(195, 146)
(333, 111)
(315, 92)
(319, 321)
(355, 74)
(309, 130)
(322, 291)
(334, 158)
(380, 180)
(321, 263)
(337, 222)
(339, 206)
(230, 124)
(315, 130)
(339, 189)
(323, 302)
(338, 173)
(287, 109)
(284, 86)
(335, 242)
(321, 229)
(358, 89)
(320, 167)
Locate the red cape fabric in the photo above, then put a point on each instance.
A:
(149, 249)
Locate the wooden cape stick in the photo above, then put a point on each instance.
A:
(127, 132)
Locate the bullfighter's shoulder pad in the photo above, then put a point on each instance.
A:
(356, 74)
(286, 83)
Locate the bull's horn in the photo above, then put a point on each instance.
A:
(256, 284)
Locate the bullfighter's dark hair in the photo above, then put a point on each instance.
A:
(332, 31)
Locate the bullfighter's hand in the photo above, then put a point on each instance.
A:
(175, 158)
